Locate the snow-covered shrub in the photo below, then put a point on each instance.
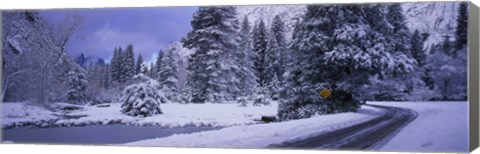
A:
(262, 98)
(310, 110)
(242, 101)
(391, 89)
(77, 84)
(185, 97)
(142, 99)
(449, 74)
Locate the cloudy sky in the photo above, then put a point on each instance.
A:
(147, 29)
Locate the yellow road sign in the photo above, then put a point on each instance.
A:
(325, 93)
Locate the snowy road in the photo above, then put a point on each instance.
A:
(367, 135)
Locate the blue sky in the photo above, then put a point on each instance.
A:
(147, 29)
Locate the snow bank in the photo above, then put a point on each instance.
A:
(20, 114)
(439, 127)
(263, 135)
(174, 115)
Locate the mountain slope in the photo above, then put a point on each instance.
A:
(437, 19)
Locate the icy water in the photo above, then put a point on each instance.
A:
(95, 134)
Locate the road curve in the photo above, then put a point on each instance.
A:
(367, 135)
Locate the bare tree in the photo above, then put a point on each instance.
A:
(64, 31)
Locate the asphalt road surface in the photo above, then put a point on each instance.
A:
(368, 135)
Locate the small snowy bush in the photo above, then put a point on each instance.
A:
(260, 99)
(242, 101)
(142, 99)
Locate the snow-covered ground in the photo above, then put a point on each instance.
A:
(439, 127)
(175, 115)
(263, 135)
(25, 114)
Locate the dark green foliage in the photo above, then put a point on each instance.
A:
(417, 48)
(138, 66)
(461, 33)
(260, 43)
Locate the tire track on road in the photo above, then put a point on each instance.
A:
(367, 135)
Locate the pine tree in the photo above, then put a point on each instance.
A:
(213, 68)
(118, 70)
(115, 65)
(417, 48)
(278, 31)
(107, 76)
(138, 66)
(152, 71)
(77, 83)
(260, 43)
(158, 64)
(245, 55)
(272, 66)
(167, 76)
(128, 64)
(401, 35)
(461, 33)
(391, 38)
(447, 46)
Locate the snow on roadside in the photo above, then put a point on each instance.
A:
(175, 115)
(439, 127)
(263, 135)
(23, 114)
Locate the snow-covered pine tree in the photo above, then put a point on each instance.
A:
(151, 71)
(167, 77)
(278, 31)
(128, 64)
(143, 69)
(95, 79)
(77, 84)
(461, 31)
(308, 45)
(213, 68)
(115, 64)
(260, 43)
(401, 33)
(272, 67)
(447, 46)
(142, 99)
(395, 81)
(107, 77)
(245, 57)
(417, 48)
(158, 64)
(138, 66)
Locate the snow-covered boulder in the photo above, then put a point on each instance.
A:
(143, 98)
